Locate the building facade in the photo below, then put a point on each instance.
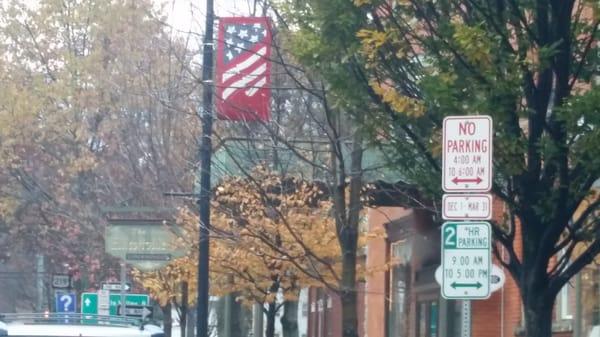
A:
(401, 298)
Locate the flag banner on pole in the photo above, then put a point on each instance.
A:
(385, 9)
(243, 69)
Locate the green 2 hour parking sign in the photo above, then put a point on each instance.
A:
(466, 260)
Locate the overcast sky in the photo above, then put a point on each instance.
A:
(186, 15)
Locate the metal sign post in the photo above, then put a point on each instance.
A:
(123, 283)
(103, 302)
(465, 327)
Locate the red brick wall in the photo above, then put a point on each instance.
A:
(377, 257)
(500, 315)
(327, 322)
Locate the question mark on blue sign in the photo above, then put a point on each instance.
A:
(66, 301)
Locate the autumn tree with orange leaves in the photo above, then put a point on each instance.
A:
(271, 236)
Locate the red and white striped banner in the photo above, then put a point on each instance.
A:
(243, 69)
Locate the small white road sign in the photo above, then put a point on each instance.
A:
(467, 207)
(497, 279)
(466, 260)
(114, 286)
(467, 154)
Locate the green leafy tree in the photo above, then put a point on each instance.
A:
(528, 64)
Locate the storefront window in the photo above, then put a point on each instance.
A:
(428, 319)
(590, 301)
(579, 302)
(399, 289)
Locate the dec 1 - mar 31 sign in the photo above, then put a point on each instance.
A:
(467, 154)
(467, 206)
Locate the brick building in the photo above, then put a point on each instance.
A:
(404, 300)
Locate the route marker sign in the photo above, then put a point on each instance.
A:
(466, 260)
(467, 206)
(467, 154)
(61, 281)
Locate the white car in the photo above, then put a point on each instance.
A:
(76, 325)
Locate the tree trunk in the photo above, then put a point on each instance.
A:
(348, 296)
(168, 320)
(271, 312)
(220, 310)
(538, 318)
(229, 324)
(257, 320)
(289, 320)
(191, 323)
(241, 318)
(184, 308)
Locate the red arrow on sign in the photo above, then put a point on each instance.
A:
(458, 180)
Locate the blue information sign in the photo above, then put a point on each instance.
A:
(65, 301)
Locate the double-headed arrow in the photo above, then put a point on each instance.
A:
(458, 180)
(466, 285)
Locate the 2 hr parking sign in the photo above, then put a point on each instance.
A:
(466, 260)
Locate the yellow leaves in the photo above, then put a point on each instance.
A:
(7, 206)
(371, 40)
(435, 143)
(164, 285)
(399, 103)
(474, 44)
(359, 3)
(266, 231)
(82, 164)
(372, 37)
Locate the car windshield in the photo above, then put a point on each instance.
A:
(300, 168)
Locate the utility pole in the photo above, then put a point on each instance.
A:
(204, 156)
(39, 268)
(123, 282)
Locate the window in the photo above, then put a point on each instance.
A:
(398, 289)
(565, 306)
(427, 318)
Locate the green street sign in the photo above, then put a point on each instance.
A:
(146, 244)
(89, 302)
(466, 260)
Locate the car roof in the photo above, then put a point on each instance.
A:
(23, 329)
(63, 325)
